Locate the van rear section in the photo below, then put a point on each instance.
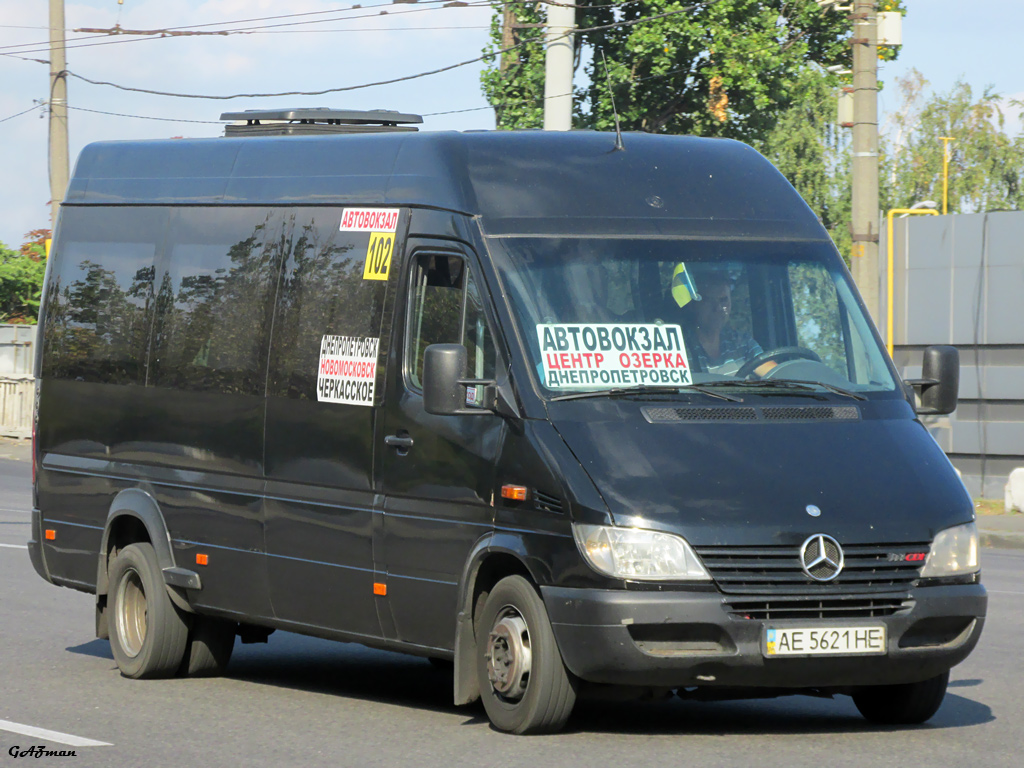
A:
(574, 419)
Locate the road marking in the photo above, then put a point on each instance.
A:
(14, 546)
(42, 733)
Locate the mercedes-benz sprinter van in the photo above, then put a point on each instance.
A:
(576, 418)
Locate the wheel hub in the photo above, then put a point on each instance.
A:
(131, 613)
(509, 656)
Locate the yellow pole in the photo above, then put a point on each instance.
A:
(889, 266)
(945, 172)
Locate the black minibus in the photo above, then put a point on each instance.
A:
(574, 418)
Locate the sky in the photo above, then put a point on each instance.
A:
(946, 40)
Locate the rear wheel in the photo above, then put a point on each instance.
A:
(524, 685)
(210, 643)
(148, 634)
(907, 704)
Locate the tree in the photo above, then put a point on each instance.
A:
(813, 152)
(986, 167)
(745, 69)
(21, 278)
(726, 68)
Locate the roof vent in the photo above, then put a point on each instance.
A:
(318, 120)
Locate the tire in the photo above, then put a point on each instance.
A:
(907, 704)
(210, 643)
(524, 685)
(148, 634)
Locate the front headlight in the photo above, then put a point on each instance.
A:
(954, 552)
(636, 554)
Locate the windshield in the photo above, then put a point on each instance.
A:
(600, 314)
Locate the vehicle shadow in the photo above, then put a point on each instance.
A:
(321, 666)
(312, 665)
(790, 715)
(97, 648)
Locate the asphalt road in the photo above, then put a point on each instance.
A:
(298, 701)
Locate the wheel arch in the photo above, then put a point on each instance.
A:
(134, 516)
(492, 558)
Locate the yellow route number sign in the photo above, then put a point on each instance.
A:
(378, 256)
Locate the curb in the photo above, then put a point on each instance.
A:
(1001, 540)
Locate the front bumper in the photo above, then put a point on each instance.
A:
(682, 639)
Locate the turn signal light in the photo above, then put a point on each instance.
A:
(51, 534)
(202, 559)
(380, 589)
(514, 492)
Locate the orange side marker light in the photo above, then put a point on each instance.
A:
(514, 492)
(380, 589)
(202, 559)
(51, 534)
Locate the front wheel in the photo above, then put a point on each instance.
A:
(907, 704)
(148, 634)
(524, 685)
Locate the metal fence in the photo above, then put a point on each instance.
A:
(17, 345)
(16, 400)
(960, 280)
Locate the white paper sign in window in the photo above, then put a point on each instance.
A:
(348, 370)
(575, 355)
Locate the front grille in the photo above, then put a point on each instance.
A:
(776, 571)
(811, 608)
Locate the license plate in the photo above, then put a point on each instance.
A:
(824, 641)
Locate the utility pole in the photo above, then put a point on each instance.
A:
(945, 172)
(558, 67)
(864, 218)
(58, 151)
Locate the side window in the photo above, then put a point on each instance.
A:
(213, 301)
(323, 292)
(446, 307)
(476, 335)
(100, 296)
(816, 308)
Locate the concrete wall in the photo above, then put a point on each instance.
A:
(960, 280)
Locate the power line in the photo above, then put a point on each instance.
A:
(183, 31)
(129, 36)
(19, 114)
(391, 81)
(146, 117)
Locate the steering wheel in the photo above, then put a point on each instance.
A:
(777, 356)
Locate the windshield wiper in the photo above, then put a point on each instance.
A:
(646, 391)
(784, 384)
(840, 390)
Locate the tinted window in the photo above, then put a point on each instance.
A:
(100, 295)
(214, 300)
(446, 308)
(323, 292)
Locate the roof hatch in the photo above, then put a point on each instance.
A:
(317, 120)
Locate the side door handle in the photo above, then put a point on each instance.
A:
(402, 442)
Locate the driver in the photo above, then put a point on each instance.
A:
(713, 345)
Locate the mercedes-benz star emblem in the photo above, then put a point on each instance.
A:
(821, 557)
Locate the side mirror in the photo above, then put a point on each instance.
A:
(445, 382)
(939, 385)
